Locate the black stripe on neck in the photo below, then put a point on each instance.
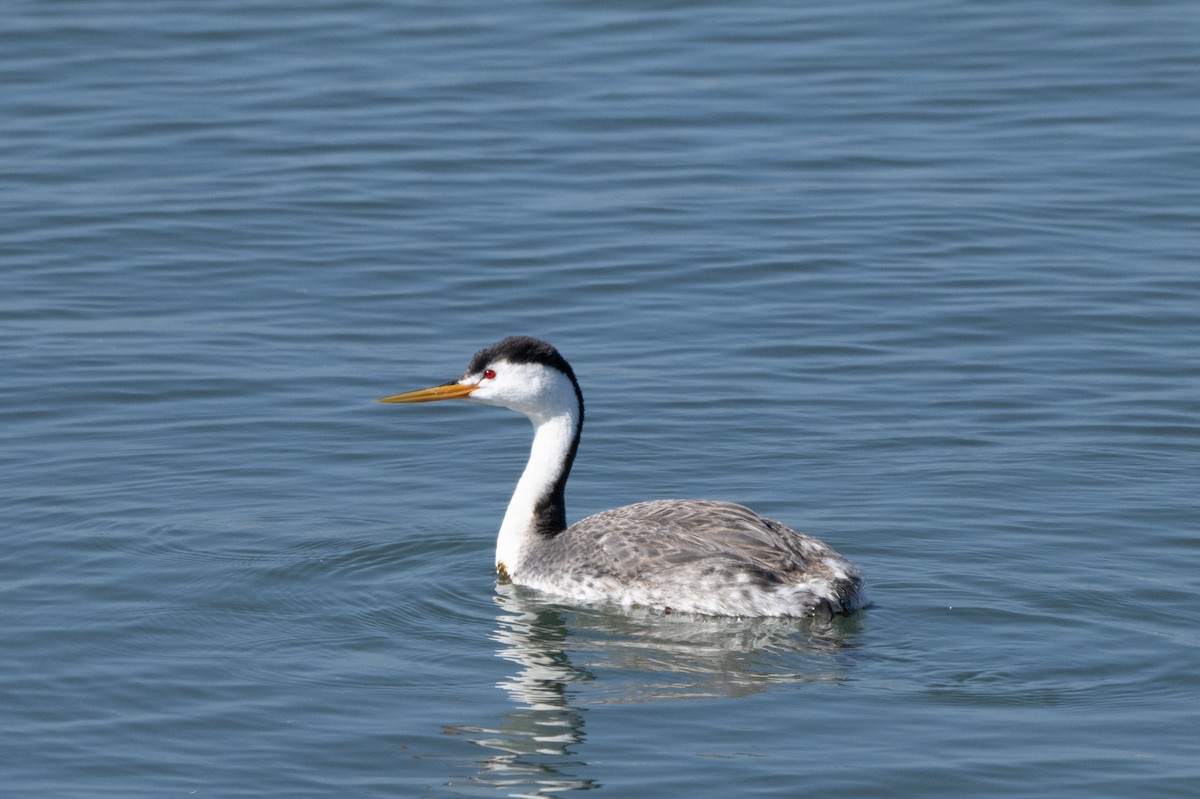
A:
(550, 512)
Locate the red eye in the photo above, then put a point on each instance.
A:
(489, 374)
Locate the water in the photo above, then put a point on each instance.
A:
(919, 278)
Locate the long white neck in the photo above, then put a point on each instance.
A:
(536, 507)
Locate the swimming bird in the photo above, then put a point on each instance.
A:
(689, 556)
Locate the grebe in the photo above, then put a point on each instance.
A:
(690, 556)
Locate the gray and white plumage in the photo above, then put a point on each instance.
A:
(694, 556)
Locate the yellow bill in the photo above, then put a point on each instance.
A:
(433, 394)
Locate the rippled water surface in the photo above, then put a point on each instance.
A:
(920, 278)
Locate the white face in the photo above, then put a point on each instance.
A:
(529, 388)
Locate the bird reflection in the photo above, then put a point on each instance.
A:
(533, 749)
(570, 659)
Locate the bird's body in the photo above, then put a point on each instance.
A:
(696, 556)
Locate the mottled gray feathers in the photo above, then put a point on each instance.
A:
(688, 547)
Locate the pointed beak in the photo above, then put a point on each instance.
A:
(434, 394)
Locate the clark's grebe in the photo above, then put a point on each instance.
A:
(695, 556)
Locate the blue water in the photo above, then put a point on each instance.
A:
(919, 278)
